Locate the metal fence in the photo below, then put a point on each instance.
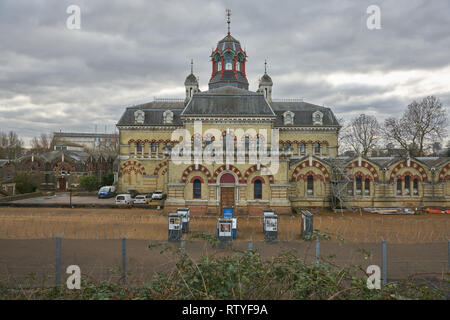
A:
(37, 247)
(43, 262)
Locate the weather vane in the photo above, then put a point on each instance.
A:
(228, 11)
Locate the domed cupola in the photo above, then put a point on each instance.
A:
(265, 84)
(228, 63)
(191, 83)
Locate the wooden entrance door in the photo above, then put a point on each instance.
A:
(62, 184)
(226, 197)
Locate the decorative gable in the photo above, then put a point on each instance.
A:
(168, 117)
(139, 117)
(288, 118)
(317, 118)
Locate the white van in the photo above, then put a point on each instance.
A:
(107, 192)
(124, 198)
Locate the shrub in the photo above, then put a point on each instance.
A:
(243, 275)
(89, 183)
(24, 183)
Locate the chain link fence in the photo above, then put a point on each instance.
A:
(114, 246)
(41, 263)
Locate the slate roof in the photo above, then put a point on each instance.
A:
(228, 79)
(80, 156)
(228, 101)
(229, 42)
(303, 112)
(190, 79)
(266, 80)
(153, 113)
(381, 162)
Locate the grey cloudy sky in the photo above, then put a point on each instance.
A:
(128, 52)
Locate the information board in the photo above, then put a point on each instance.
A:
(225, 229)
(174, 223)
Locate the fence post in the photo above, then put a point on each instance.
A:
(58, 260)
(448, 256)
(317, 250)
(124, 260)
(250, 245)
(182, 248)
(384, 261)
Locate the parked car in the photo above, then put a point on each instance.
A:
(157, 195)
(124, 198)
(107, 192)
(141, 199)
(133, 193)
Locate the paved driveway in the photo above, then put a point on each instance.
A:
(64, 198)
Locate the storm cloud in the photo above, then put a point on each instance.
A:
(127, 52)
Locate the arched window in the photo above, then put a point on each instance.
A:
(416, 186)
(139, 147)
(367, 187)
(288, 116)
(197, 190)
(399, 186)
(247, 144)
(407, 185)
(350, 188)
(302, 149)
(219, 65)
(154, 147)
(317, 148)
(257, 189)
(238, 66)
(310, 185)
(358, 185)
(228, 61)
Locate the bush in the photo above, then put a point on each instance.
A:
(24, 183)
(243, 275)
(89, 183)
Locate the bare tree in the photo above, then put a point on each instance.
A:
(11, 146)
(362, 134)
(422, 124)
(44, 143)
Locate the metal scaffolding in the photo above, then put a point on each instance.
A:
(340, 178)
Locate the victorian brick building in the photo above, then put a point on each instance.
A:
(307, 151)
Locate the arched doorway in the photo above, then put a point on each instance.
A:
(227, 190)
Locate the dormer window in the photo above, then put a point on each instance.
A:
(317, 118)
(139, 117)
(288, 118)
(168, 117)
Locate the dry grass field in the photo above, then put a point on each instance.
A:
(44, 223)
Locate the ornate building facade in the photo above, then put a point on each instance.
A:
(306, 152)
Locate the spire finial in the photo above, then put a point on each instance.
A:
(228, 11)
(192, 66)
(265, 66)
